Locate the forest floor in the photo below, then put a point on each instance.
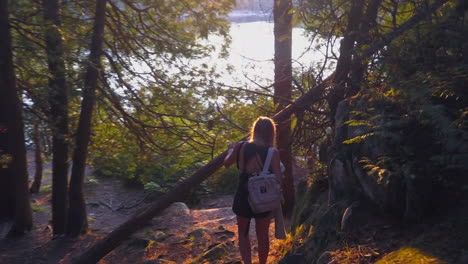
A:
(205, 234)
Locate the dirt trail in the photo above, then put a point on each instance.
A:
(179, 235)
(183, 235)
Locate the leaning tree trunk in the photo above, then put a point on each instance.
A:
(282, 93)
(14, 170)
(104, 246)
(116, 237)
(77, 219)
(38, 160)
(58, 101)
(343, 65)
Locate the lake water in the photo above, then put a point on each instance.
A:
(250, 60)
(252, 50)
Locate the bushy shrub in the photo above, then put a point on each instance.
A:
(224, 181)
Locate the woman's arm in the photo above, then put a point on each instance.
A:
(231, 157)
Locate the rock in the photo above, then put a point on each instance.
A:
(348, 179)
(215, 252)
(197, 233)
(293, 259)
(160, 236)
(5, 226)
(342, 183)
(177, 208)
(225, 234)
(93, 205)
(138, 242)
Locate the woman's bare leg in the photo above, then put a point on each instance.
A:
(243, 225)
(262, 226)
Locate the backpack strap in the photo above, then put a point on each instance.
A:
(238, 153)
(266, 165)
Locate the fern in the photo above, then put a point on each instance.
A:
(376, 169)
(359, 123)
(358, 139)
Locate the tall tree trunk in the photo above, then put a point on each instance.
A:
(14, 171)
(38, 161)
(7, 181)
(282, 93)
(343, 65)
(58, 100)
(77, 219)
(367, 28)
(116, 237)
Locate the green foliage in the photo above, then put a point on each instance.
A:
(419, 115)
(419, 112)
(358, 139)
(5, 160)
(155, 121)
(46, 188)
(294, 240)
(224, 180)
(421, 143)
(324, 17)
(119, 155)
(38, 209)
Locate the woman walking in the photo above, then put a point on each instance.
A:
(249, 157)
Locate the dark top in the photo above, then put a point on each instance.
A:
(241, 205)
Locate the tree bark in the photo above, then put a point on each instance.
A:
(343, 65)
(111, 241)
(38, 161)
(14, 171)
(282, 94)
(77, 219)
(58, 101)
(358, 65)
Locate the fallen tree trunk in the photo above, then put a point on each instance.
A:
(111, 241)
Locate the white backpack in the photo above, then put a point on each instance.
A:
(264, 189)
